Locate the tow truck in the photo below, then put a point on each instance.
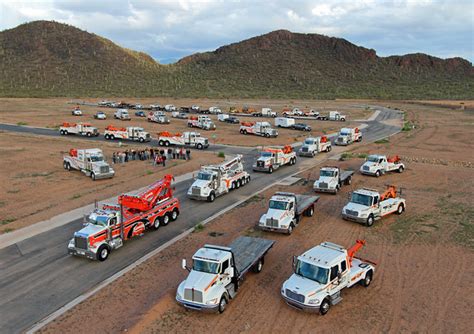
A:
(192, 139)
(107, 228)
(368, 205)
(331, 179)
(312, 145)
(217, 180)
(380, 164)
(202, 122)
(76, 111)
(263, 129)
(89, 161)
(285, 211)
(129, 133)
(321, 273)
(158, 117)
(348, 136)
(273, 157)
(217, 273)
(122, 114)
(83, 129)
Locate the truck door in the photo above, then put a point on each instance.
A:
(226, 272)
(335, 279)
(376, 206)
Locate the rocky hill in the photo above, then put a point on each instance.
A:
(51, 59)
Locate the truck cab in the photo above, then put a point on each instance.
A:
(377, 165)
(272, 158)
(336, 116)
(89, 161)
(348, 135)
(122, 114)
(138, 133)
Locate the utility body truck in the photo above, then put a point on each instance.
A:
(263, 129)
(377, 165)
(217, 273)
(108, 227)
(83, 129)
(284, 122)
(368, 205)
(313, 145)
(321, 273)
(348, 136)
(331, 179)
(202, 122)
(89, 161)
(285, 211)
(129, 133)
(216, 180)
(192, 139)
(122, 114)
(158, 117)
(273, 157)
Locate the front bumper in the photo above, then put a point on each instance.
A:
(197, 197)
(260, 169)
(82, 252)
(198, 307)
(104, 175)
(354, 219)
(325, 190)
(337, 143)
(367, 172)
(273, 229)
(301, 306)
(306, 154)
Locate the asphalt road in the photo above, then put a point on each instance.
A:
(37, 276)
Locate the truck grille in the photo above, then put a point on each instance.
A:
(196, 191)
(80, 242)
(193, 295)
(366, 168)
(104, 169)
(352, 213)
(260, 163)
(304, 149)
(295, 296)
(271, 222)
(323, 185)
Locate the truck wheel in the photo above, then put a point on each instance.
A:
(377, 173)
(211, 197)
(400, 169)
(107, 137)
(93, 176)
(156, 223)
(248, 179)
(370, 221)
(174, 214)
(367, 280)
(267, 135)
(222, 304)
(103, 253)
(290, 229)
(349, 180)
(400, 209)
(66, 132)
(165, 219)
(336, 190)
(258, 266)
(89, 134)
(167, 143)
(270, 170)
(161, 143)
(329, 149)
(199, 146)
(324, 308)
(310, 211)
(112, 137)
(67, 166)
(343, 119)
(61, 132)
(244, 132)
(141, 139)
(237, 184)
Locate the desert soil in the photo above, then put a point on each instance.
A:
(51, 113)
(423, 281)
(34, 185)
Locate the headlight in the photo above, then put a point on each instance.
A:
(313, 301)
(212, 301)
(178, 295)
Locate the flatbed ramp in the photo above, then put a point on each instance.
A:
(304, 201)
(248, 250)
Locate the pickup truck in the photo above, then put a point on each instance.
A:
(285, 211)
(217, 273)
(331, 179)
(379, 164)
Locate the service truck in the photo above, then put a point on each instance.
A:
(268, 112)
(89, 161)
(108, 227)
(263, 129)
(313, 145)
(377, 165)
(170, 107)
(76, 111)
(134, 133)
(122, 114)
(368, 205)
(336, 116)
(348, 136)
(284, 122)
(217, 273)
(83, 129)
(202, 122)
(285, 211)
(158, 117)
(215, 110)
(192, 139)
(216, 180)
(320, 274)
(331, 179)
(273, 157)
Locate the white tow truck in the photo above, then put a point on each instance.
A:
(89, 161)
(217, 180)
(76, 111)
(377, 165)
(158, 117)
(122, 114)
(313, 145)
(83, 129)
(170, 107)
(321, 273)
(336, 116)
(285, 211)
(348, 136)
(263, 129)
(217, 273)
(134, 133)
(273, 157)
(331, 179)
(201, 122)
(368, 205)
(192, 139)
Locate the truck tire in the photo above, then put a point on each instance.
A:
(167, 143)
(112, 137)
(258, 266)
(343, 119)
(93, 176)
(89, 134)
(211, 197)
(367, 280)
(400, 209)
(237, 184)
(61, 132)
(270, 169)
(161, 143)
(66, 165)
(349, 180)
(199, 146)
(141, 139)
(248, 179)
(267, 135)
(324, 307)
(400, 169)
(174, 214)
(66, 132)
(107, 137)
(377, 173)
(165, 219)
(103, 253)
(222, 304)
(156, 223)
(329, 149)
(336, 190)
(309, 211)
(290, 229)
(370, 221)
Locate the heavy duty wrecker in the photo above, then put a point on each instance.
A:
(202, 122)
(192, 139)
(134, 133)
(348, 136)
(83, 129)
(273, 157)
(107, 228)
(263, 129)
(321, 273)
(313, 145)
(368, 205)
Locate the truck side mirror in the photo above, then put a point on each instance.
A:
(349, 195)
(294, 259)
(183, 265)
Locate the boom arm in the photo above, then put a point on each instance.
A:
(354, 249)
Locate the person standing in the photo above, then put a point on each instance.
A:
(188, 154)
(164, 160)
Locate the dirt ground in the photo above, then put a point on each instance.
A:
(423, 281)
(34, 185)
(51, 113)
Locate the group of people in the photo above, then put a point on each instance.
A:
(157, 156)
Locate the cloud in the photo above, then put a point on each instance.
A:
(169, 30)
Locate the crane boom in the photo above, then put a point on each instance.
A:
(354, 249)
(147, 198)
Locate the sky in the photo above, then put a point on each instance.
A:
(169, 30)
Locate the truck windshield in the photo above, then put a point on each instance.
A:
(373, 158)
(278, 205)
(345, 133)
(95, 158)
(98, 220)
(327, 173)
(266, 154)
(205, 266)
(309, 141)
(312, 272)
(204, 176)
(361, 199)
